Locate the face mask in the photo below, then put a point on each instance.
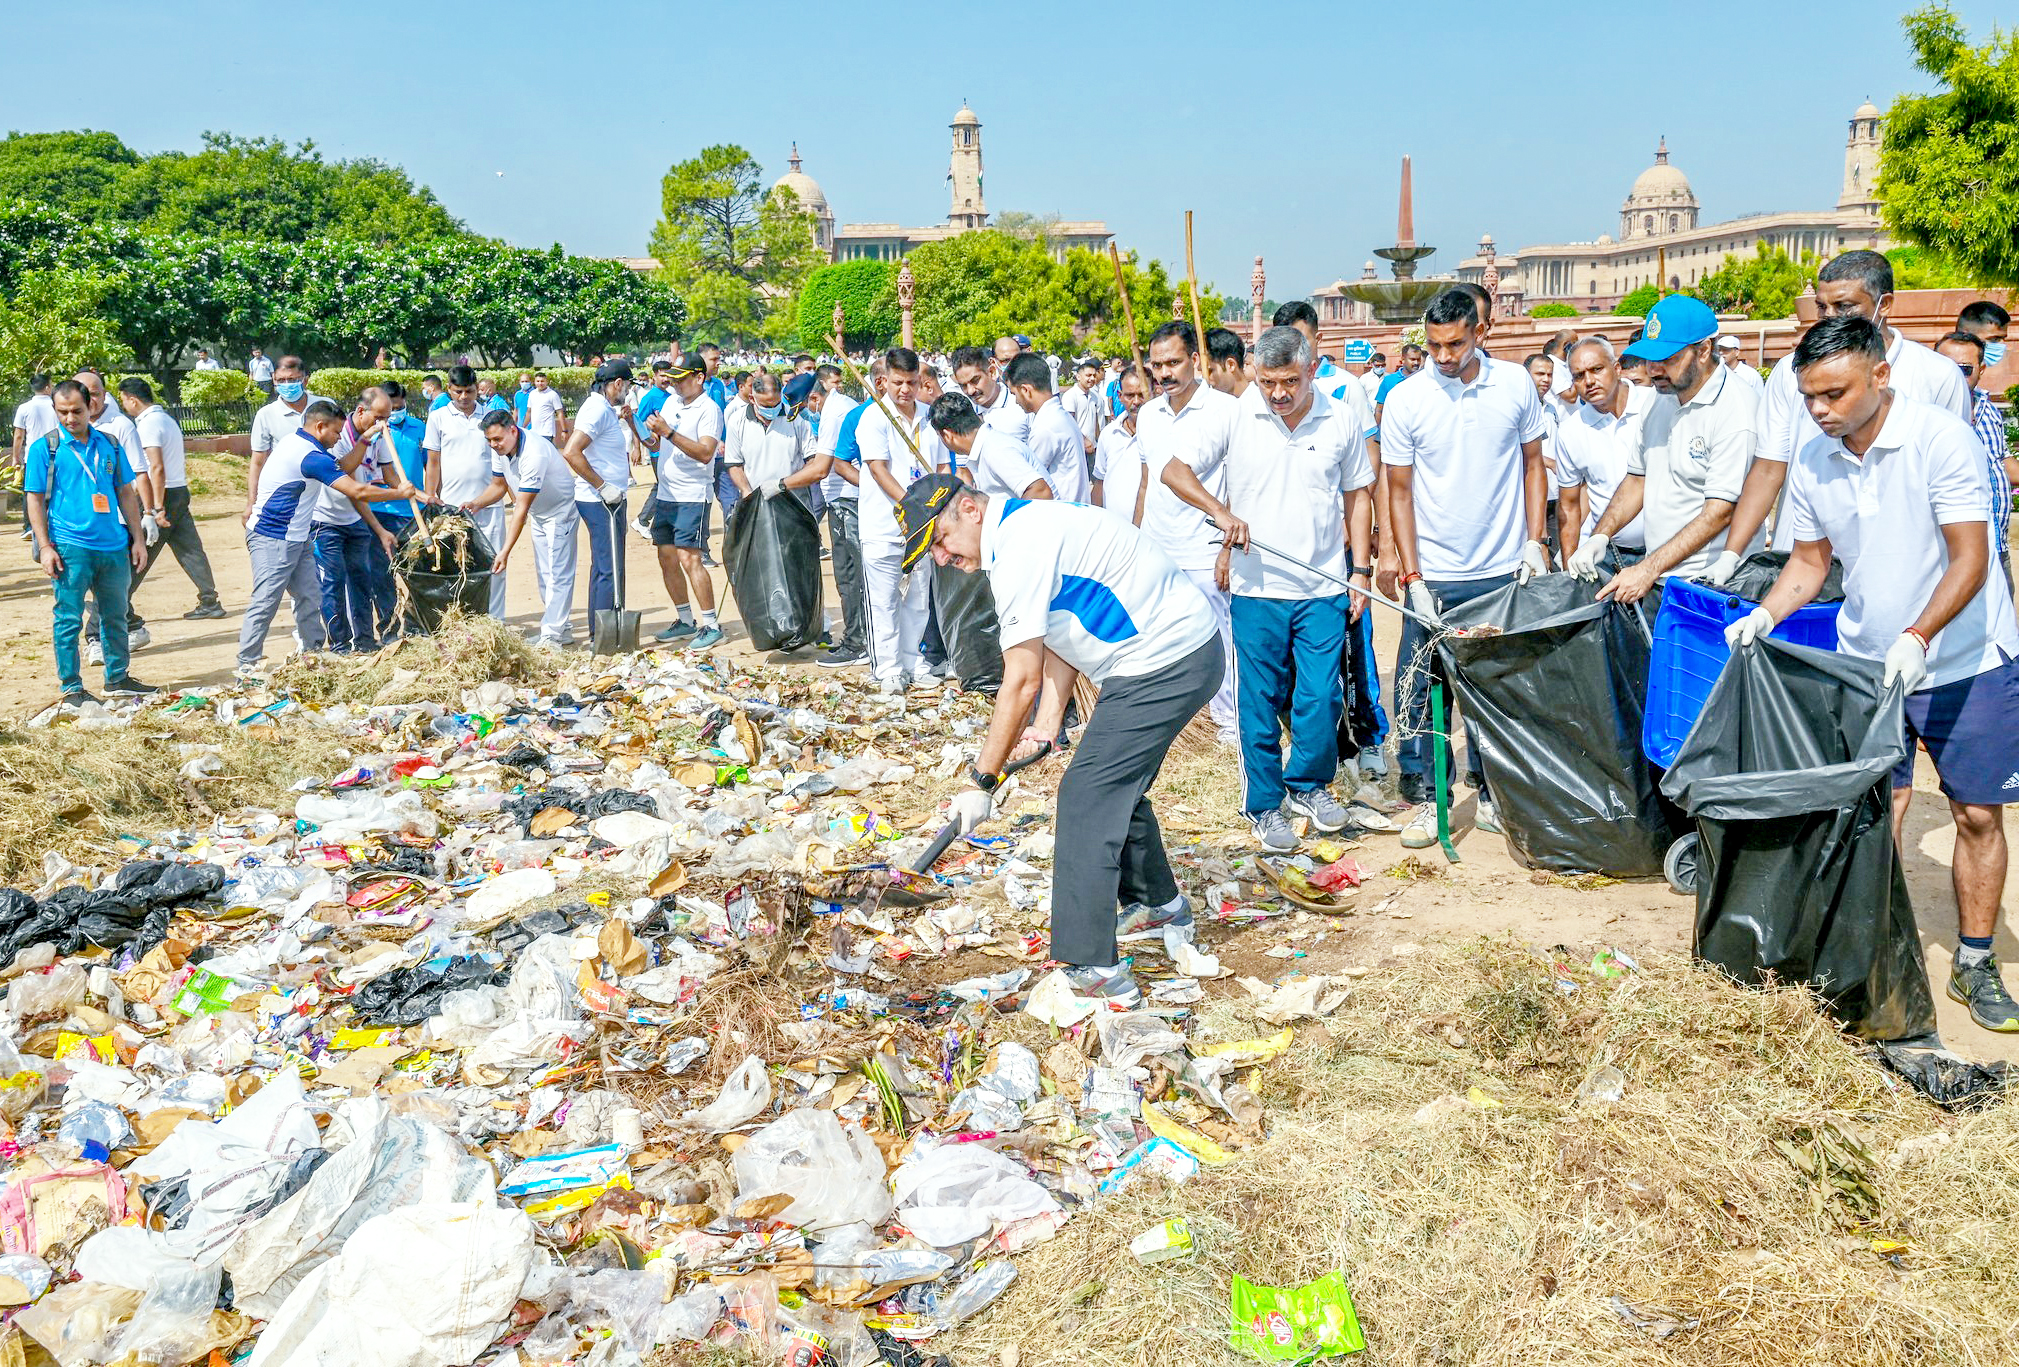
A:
(290, 390)
(1994, 352)
(525, 385)
(770, 411)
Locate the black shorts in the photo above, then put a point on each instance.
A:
(678, 524)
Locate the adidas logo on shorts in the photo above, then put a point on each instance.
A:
(2009, 784)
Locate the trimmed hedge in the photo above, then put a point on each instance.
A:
(217, 387)
(344, 384)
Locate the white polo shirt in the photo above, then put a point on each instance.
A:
(1289, 486)
(834, 411)
(284, 505)
(333, 508)
(1007, 415)
(683, 479)
(1197, 434)
(1592, 451)
(156, 428)
(880, 441)
(1118, 465)
(114, 423)
(1344, 392)
(538, 470)
(1085, 407)
(276, 420)
(1883, 517)
(769, 450)
(1464, 442)
(1918, 373)
(1058, 449)
(37, 417)
(1749, 377)
(465, 456)
(544, 408)
(1099, 593)
(999, 464)
(1690, 452)
(607, 452)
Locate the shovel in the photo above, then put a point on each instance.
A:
(613, 631)
(914, 887)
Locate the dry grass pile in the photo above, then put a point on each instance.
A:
(77, 792)
(467, 651)
(1518, 1232)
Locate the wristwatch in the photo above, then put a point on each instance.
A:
(986, 782)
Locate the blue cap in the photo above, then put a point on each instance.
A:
(1359, 351)
(799, 388)
(1675, 322)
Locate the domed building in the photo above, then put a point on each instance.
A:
(1662, 239)
(811, 198)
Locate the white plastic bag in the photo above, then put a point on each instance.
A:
(172, 1325)
(834, 1174)
(954, 1193)
(747, 1092)
(1129, 1037)
(425, 1286)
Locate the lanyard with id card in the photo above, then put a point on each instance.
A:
(99, 502)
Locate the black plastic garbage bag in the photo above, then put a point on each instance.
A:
(523, 808)
(967, 627)
(133, 909)
(448, 568)
(773, 558)
(1757, 572)
(1787, 776)
(1551, 679)
(1949, 1080)
(408, 996)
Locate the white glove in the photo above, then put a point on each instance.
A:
(1722, 569)
(1423, 601)
(1534, 561)
(1749, 628)
(149, 528)
(611, 492)
(1907, 664)
(1584, 560)
(970, 807)
(771, 488)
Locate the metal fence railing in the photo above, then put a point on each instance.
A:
(213, 419)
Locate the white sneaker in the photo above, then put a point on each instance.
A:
(94, 654)
(891, 687)
(1420, 831)
(925, 681)
(1373, 762)
(138, 637)
(1486, 818)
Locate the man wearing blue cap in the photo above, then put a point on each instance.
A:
(1684, 477)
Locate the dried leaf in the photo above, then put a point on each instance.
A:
(548, 820)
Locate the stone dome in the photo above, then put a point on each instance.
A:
(966, 116)
(1867, 110)
(811, 196)
(1661, 183)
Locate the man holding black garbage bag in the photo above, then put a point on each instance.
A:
(1896, 489)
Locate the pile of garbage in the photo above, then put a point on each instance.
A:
(574, 1021)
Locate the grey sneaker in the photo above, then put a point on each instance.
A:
(1116, 984)
(1272, 828)
(1149, 923)
(1983, 991)
(706, 638)
(1486, 819)
(676, 630)
(1322, 809)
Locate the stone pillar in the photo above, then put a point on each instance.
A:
(907, 292)
(840, 337)
(1489, 278)
(1258, 291)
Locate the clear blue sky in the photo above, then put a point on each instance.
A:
(1281, 124)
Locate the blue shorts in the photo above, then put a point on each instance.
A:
(678, 524)
(1968, 729)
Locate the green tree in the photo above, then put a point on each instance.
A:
(51, 321)
(1917, 268)
(1949, 162)
(1763, 285)
(1638, 302)
(735, 252)
(1553, 309)
(867, 293)
(83, 173)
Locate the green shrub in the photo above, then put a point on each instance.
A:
(345, 383)
(865, 291)
(1638, 302)
(1552, 310)
(216, 387)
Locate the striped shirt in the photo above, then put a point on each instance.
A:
(1989, 425)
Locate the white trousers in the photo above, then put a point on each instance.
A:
(1225, 709)
(554, 565)
(492, 520)
(898, 606)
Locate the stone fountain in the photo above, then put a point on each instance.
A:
(1402, 299)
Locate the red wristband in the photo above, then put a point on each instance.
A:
(1406, 580)
(1916, 634)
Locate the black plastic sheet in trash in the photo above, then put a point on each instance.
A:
(446, 568)
(1788, 777)
(967, 627)
(1756, 574)
(523, 808)
(1949, 1080)
(133, 909)
(773, 557)
(1553, 688)
(408, 996)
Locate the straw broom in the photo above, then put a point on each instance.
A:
(1200, 734)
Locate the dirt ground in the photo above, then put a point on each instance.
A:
(1486, 894)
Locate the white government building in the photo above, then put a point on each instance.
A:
(1659, 230)
(966, 209)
